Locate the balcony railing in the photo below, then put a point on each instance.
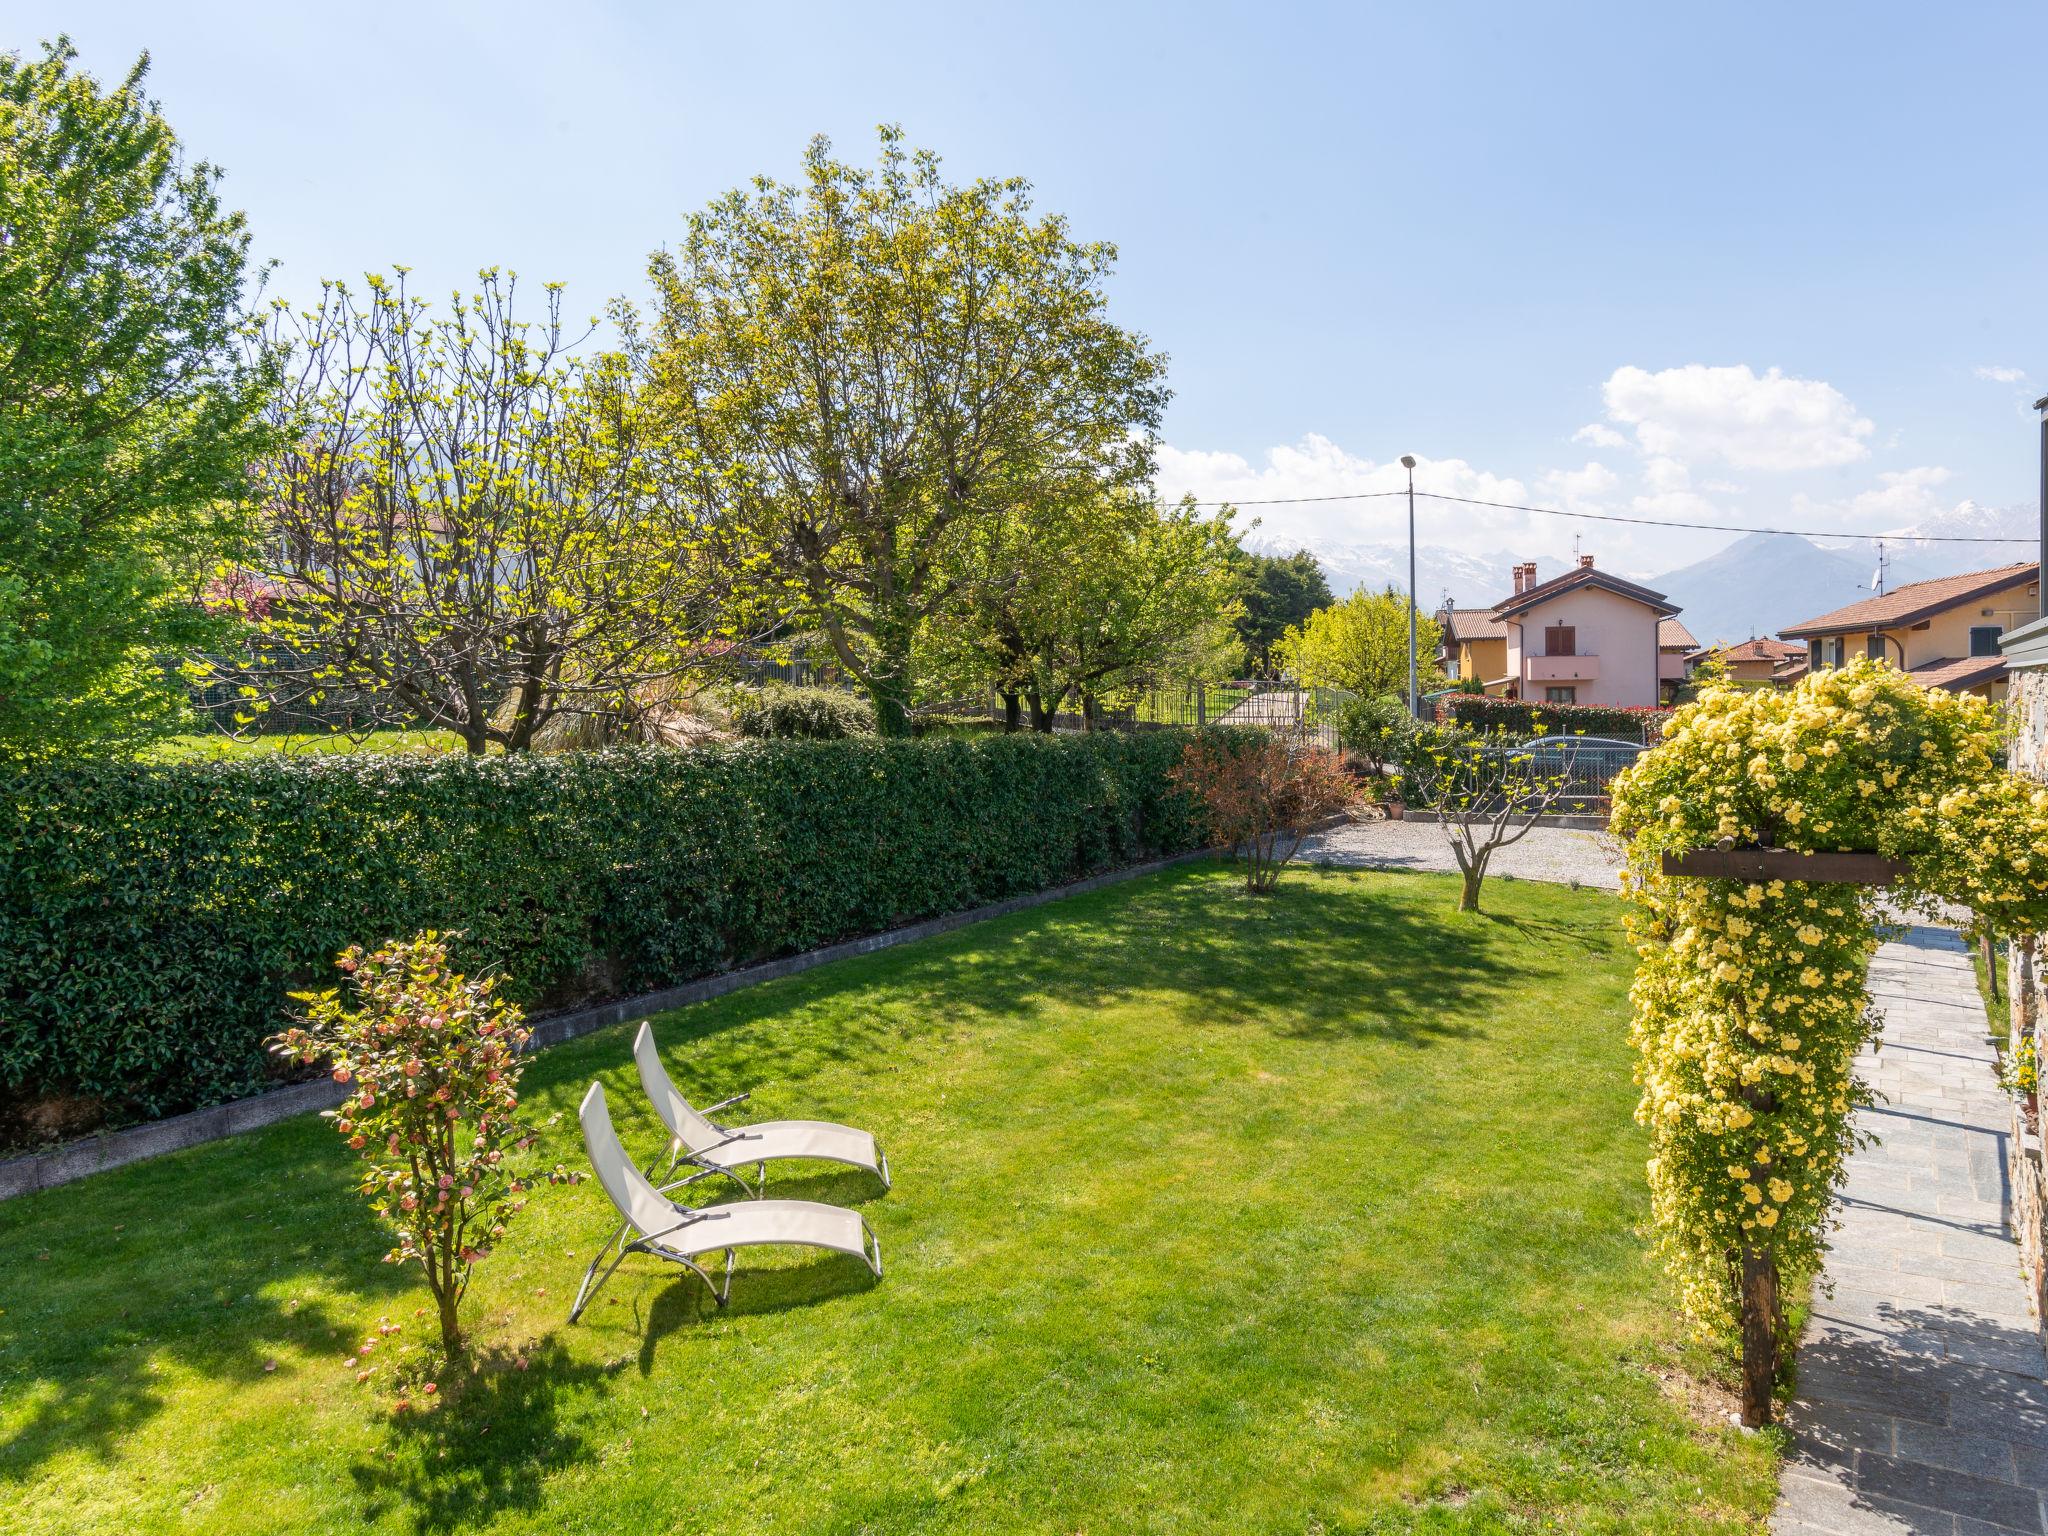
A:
(1562, 669)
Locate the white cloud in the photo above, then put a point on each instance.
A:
(1598, 434)
(1579, 489)
(1316, 466)
(1732, 415)
(1900, 498)
(2000, 375)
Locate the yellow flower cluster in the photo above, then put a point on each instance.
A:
(1748, 998)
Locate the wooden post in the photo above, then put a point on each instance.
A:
(1759, 1334)
(1759, 1298)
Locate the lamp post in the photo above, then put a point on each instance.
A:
(2041, 554)
(1414, 705)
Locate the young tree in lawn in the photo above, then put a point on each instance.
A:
(872, 367)
(1262, 795)
(431, 1059)
(1361, 644)
(1279, 592)
(130, 406)
(1485, 792)
(467, 527)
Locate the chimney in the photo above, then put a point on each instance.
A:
(1585, 562)
(1518, 580)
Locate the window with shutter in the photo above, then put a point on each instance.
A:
(1561, 640)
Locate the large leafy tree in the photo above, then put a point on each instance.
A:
(872, 369)
(130, 407)
(466, 525)
(1126, 592)
(1360, 644)
(1279, 592)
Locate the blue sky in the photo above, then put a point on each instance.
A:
(1556, 251)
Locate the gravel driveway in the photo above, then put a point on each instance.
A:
(1553, 854)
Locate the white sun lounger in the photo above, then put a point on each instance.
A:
(656, 1225)
(696, 1138)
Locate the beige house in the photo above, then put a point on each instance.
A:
(1757, 662)
(1585, 637)
(1944, 632)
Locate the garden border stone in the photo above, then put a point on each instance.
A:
(134, 1144)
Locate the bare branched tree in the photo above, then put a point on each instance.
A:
(467, 527)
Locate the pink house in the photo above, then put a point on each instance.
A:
(1588, 638)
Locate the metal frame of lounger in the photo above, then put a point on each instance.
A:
(641, 1206)
(674, 1111)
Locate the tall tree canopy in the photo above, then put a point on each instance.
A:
(1278, 592)
(873, 368)
(1093, 601)
(1361, 644)
(129, 405)
(466, 524)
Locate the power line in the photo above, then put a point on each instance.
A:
(1615, 517)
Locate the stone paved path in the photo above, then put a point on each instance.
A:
(1923, 1390)
(1546, 853)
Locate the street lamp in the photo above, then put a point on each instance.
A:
(1414, 709)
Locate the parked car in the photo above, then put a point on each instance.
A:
(1589, 763)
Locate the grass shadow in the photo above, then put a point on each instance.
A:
(87, 1344)
(486, 1451)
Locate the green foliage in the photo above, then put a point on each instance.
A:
(468, 528)
(129, 406)
(1423, 1119)
(874, 370)
(432, 1062)
(1093, 601)
(152, 919)
(1749, 999)
(1361, 644)
(778, 711)
(1278, 592)
(1377, 727)
(1518, 717)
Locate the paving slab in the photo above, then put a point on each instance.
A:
(1923, 1388)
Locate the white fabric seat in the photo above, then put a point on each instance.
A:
(695, 1137)
(652, 1223)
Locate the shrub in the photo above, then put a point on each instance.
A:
(432, 1063)
(1377, 729)
(1749, 998)
(152, 917)
(1631, 722)
(1262, 795)
(782, 712)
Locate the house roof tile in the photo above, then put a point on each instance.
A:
(1914, 601)
(1583, 576)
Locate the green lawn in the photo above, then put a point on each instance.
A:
(1312, 1214)
(215, 744)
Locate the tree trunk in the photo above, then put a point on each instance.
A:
(1013, 714)
(1090, 713)
(1759, 1334)
(1990, 946)
(1468, 897)
(1042, 717)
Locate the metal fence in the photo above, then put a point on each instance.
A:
(1306, 714)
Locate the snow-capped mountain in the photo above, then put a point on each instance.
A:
(1470, 581)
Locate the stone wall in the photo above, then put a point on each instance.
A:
(2027, 702)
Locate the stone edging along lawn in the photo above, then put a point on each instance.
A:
(116, 1149)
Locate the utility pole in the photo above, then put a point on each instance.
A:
(1408, 461)
(2041, 570)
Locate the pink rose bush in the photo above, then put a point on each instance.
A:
(431, 1058)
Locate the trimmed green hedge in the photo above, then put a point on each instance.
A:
(1631, 722)
(152, 918)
